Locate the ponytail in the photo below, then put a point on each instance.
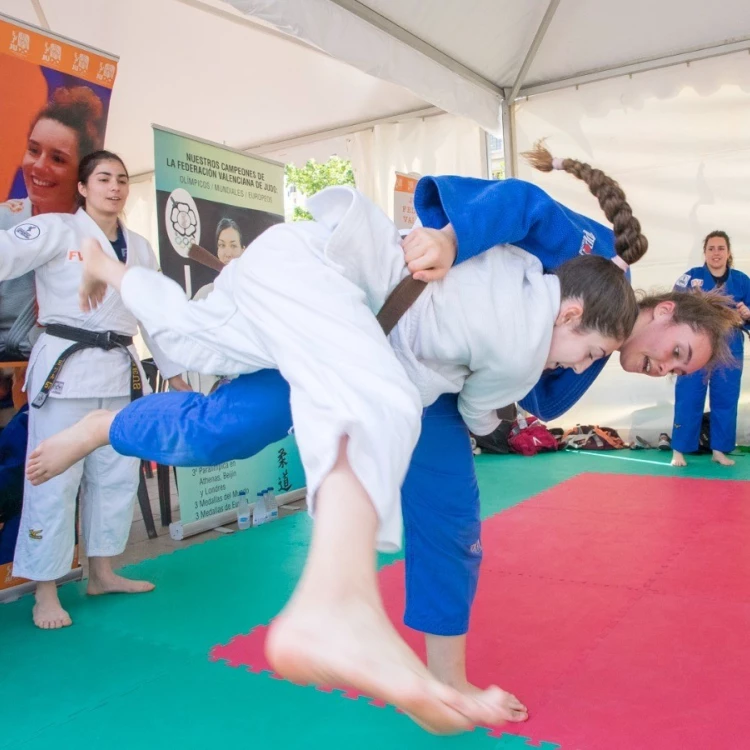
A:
(630, 244)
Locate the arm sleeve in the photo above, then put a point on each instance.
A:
(182, 330)
(485, 213)
(28, 246)
(746, 300)
(479, 415)
(558, 390)
(683, 283)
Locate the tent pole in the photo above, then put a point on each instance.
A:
(534, 48)
(40, 14)
(509, 138)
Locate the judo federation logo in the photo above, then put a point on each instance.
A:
(35, 534)
(80, 62)
(587, 245)
(106, 72)
(182, 221)
(27, 231)
(52, 53)
(20, 42)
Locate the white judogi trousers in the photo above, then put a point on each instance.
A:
(109, 485)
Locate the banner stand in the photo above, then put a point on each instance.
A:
(179, 531)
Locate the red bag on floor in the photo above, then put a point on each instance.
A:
(529, 437)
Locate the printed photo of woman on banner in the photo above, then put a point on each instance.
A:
(55, 98)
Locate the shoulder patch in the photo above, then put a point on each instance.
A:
(587, 244)
(683, 280)
(27, 231)
(696, 282)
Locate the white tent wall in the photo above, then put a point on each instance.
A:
(678, 141)
(444, 144)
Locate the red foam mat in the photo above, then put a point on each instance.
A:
(616, 607)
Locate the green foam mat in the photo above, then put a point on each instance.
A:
(204, 705)
(132, 672)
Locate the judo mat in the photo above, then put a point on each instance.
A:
(616, 605)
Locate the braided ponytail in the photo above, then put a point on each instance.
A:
(630, 244)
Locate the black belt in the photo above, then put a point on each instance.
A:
(106, 340)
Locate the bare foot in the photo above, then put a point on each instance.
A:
(93, 288)
(722, 458)
(353, 643)
(48, 613)
(114, 584)
(678, 459)
(58, 453)
(503, 704)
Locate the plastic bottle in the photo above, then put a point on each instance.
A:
(272, 504)
(243, 511)
(260, 511)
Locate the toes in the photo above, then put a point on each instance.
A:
(518, 716)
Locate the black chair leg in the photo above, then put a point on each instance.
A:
(165, 500)
(145, 503)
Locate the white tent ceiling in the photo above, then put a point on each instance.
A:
(463, 55)
(255, 72)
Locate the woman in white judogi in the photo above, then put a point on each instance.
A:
(62, 389)
(301, 299)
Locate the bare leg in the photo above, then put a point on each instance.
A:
(48, 613)
(722, 458)
(103, 580)
(99, 272)
(446, 659)
(58, 453)
(334, 629)
(678, 459)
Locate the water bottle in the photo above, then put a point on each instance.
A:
(272, 504)
(243, 511)
(260, 511)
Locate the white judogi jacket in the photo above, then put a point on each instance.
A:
(49, 245)
(484, 331)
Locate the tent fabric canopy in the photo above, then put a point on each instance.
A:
(469, 53)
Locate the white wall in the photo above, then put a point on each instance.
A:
(678, 141)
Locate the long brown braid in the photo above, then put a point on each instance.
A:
(630, 244)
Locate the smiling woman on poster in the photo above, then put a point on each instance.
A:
(65, 130)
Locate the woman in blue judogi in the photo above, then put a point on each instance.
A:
(722, 382)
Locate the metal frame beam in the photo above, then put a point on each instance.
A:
(242, 20)
(361, 11)
(319, 135)
(40, 14)
(534, 48)
(639, 66)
